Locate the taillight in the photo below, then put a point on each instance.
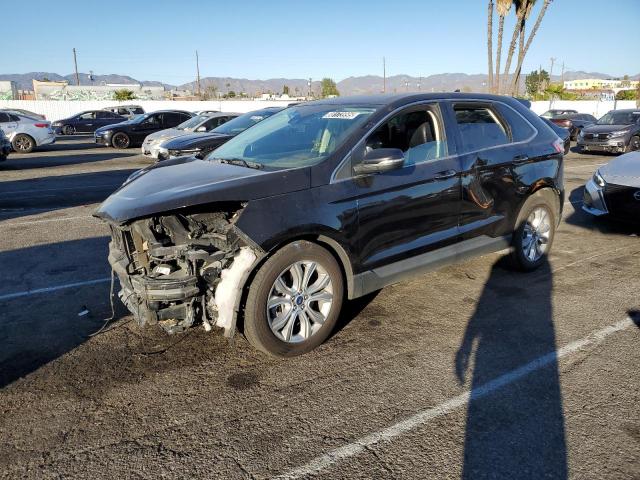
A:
(558, 146)
(42, 125)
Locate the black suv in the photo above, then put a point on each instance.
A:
(134, 131)
(330, 200)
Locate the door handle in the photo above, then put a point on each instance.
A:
(520, 159)
(445, 174)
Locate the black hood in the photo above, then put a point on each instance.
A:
(595, 129)
(196, 140)
(186, 181)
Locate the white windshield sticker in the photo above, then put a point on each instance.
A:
(342, 115)
(256, 118)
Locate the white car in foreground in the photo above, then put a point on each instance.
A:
(26, 133)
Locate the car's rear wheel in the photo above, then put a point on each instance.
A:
(535, 230)
(294, 300)
(68, 130)
(23, 143)
(120, 140)
(634, 144)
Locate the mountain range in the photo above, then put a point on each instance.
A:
(299, 86)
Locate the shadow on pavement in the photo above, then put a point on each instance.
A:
(21, 197)
(21, 163)
(518, 431)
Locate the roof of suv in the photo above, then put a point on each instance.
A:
(389, 99)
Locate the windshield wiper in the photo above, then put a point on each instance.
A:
(240, 161)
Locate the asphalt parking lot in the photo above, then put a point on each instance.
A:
(551, 359)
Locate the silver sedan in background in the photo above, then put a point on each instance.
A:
(614, 189)
(26, 133)
(199, 123)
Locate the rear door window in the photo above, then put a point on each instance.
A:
(4, 117)
(519, 127)
(479, 127)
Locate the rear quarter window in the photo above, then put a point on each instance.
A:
(521, 129)
(479, 127)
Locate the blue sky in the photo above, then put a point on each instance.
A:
(155, 40)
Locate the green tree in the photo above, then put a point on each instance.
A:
(626, 95)
(124, 94)
(328, 88)
(231, 94)
(285, 90)
(534, 82)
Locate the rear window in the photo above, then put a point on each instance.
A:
(479, 127)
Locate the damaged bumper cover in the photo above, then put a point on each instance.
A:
(179, 270)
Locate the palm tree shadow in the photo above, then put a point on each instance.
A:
(516, 431)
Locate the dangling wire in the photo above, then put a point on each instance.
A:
(113, 309)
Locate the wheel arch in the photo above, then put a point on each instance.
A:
(543, 190)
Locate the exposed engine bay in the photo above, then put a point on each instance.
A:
(182, 269)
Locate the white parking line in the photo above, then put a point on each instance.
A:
(421, 418)
(61, 219)
(37, 291)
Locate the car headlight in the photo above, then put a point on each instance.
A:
(617, 134)
(180, 153)
(598, 180)
(581, 134)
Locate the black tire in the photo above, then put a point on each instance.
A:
(120, 140)
(23, 143)
(68, 130)
(634, 144)
(256, 325)
(547, 200)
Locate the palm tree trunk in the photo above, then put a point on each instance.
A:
(490, 45)
(515, 86)
(499, 53)
(512, 48)
(533, 33)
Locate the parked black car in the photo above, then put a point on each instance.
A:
(331, 200)
(200, 144)
(562, 132)
(86, 122)
(5, 146)
(617, 131)
(134, 131)
(574, 122)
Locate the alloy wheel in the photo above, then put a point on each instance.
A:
(299, 301)
(536, 234)
(22, 144)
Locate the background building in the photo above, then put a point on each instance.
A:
(64, 91)
(8, 90)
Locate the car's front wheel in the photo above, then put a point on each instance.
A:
(294, 300)
(120, 140)
(634, 144)
(535, 230)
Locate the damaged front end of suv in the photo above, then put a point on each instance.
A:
(181, 269)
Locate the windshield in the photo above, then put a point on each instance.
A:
(296, 137)
(241, 123)
(619, 118)
(140, 118)
(192, 123)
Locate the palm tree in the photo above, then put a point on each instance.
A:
(503, 7)
(490, 44)
(524, 51)
(521, 7)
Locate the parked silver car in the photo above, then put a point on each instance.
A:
(618, 131)
(128, 111)
(197, 124)
(26, 133)
(614, 189)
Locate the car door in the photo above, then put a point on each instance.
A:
(491, 140)
(104, 118)
(413, 209)
(86, 122)
(149, 125)
(8, 124)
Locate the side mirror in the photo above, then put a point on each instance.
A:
(201, 129)
(380, 160)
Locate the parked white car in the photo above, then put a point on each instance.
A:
(199, 123)
(26, 133)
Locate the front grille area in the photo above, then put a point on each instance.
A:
(621, 201)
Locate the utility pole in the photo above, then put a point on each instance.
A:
(384, 75)
(562, 76)
(553, 60)
(198, 75)
(75, 62)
